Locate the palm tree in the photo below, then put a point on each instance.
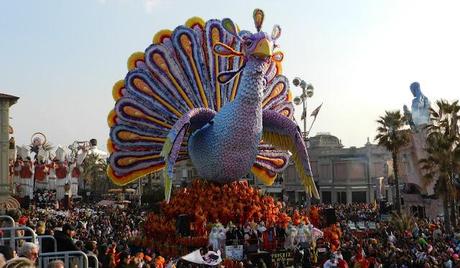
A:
(94, 168)
(443, 160)
(392, 136)
(402, 222)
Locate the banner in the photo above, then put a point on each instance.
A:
(285, 257)
(234, 252)
(316, 111)
(380, 188)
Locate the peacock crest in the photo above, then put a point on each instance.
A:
(249, 46)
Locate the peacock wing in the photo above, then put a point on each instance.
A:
(188, 123)
(269, 162)
(284, 134)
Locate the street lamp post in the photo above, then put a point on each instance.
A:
(307, 92)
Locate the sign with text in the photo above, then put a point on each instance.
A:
(283, 256)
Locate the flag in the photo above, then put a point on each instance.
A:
(316, 111)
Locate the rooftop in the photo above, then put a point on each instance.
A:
(12, 99)
(6, 96)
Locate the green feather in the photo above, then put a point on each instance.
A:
(168, 185)
(166, 148)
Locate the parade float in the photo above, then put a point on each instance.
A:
(38, 171)
(212, 94)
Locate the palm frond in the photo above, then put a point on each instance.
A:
(442, 147)
(403, 222)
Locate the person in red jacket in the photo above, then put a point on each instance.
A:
(41, 175)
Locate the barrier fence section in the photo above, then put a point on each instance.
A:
(30, 239)
(9, 219)
(43, 237)
(70, 259)
(11, 235)
(96, 261)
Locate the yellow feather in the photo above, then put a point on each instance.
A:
(166, 148)
(263, 177)
(285, 143)
(136, 56)
(116, 89)
(195, 21)
(159, 36)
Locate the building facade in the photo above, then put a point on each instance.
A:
(343, 175)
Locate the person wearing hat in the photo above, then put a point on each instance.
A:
(64, 238)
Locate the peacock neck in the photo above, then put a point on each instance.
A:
(250, 91)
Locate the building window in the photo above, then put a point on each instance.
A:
(358, 197)
(302, 196)
(342, 197)
(291, 197)
(326, 197)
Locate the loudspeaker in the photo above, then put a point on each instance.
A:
(183, 225)
(331, 217)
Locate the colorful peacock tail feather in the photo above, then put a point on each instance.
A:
(197, 65)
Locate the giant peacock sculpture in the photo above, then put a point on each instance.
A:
(212, 94)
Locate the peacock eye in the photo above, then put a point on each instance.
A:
(248, 42)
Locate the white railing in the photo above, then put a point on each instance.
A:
(96, 261)
(13, 236)
(40, 239)
(8, 218)
(70, 259)
(43, 237)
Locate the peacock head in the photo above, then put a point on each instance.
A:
(257, 48)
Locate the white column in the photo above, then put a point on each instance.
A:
(6, 201)
(4, 146)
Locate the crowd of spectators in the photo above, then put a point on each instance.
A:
(107, 232)
(101, 231)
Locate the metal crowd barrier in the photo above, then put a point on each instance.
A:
(43, 237)
(70, 259)
(13, 237)
(96, 261)
(40, 239)
(8, 218)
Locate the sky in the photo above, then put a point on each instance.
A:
(63, 57)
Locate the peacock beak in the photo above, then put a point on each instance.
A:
(263, 49)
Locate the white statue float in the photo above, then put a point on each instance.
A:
(36, 167)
